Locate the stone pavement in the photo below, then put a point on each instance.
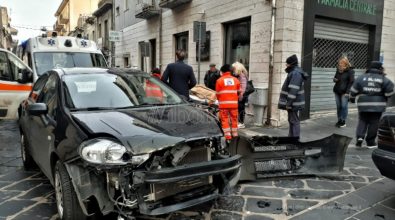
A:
(23, 195)
(359, 192)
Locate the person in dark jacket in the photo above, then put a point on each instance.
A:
(179, 75)
(292, 94)
(343, 80)
(371, 92)
(211, 77)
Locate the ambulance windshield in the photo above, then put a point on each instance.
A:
(45, 61)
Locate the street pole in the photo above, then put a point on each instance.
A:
(199, 49)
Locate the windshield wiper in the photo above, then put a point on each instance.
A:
(155, 104)
(92, 109)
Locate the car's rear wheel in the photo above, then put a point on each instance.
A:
(66, 198)
(28, 162)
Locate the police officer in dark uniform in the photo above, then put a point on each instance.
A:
(371, 92)
(292, 94)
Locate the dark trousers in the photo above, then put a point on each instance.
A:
(242, 109)
(368, 126)
(294, 123)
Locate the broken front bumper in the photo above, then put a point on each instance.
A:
(226, 171)
(137, 187)
(271, 156)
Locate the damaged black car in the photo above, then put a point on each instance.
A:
(120, 141)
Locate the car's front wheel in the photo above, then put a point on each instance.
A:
(28, 162)
(66, 198)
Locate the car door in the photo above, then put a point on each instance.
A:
(25, 119)
(12, 93)
(42, 127)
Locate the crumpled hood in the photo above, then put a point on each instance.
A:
(145, 130)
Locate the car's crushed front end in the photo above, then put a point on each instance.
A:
(171, 178)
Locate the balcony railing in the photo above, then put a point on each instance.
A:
(102, 7)
(64, 16)
(104, 2)
(84, 19)
(146, 9)
(58, 26)
(64, 19)
(172, 3)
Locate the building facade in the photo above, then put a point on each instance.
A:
(104, 24)
(6, 31)
(261, 34)
(69, 12)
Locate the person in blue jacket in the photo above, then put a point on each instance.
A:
(292, 96)
(370, 91)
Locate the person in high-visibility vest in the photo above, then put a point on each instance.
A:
(152, 89)
(227, 91)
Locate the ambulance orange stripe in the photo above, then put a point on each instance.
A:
(9, 87)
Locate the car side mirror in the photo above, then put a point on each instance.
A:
(37, 109)
(26, 76)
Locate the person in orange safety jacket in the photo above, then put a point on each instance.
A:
(227, 91)
(153, 90)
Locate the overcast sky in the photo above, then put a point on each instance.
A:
(31, 14)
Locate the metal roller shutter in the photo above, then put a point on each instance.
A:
(331, 41)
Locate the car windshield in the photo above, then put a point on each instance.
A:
(45, 61)
(110, 91)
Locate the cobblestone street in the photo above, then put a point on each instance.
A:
(358, 193)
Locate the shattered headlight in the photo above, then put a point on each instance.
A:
(108, 152)
(103, 151)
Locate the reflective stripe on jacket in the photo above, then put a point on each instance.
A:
(227, 88)
(372, 91)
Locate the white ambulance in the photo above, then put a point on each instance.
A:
(13, 86)
(40, 54)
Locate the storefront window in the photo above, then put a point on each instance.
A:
(238, 37)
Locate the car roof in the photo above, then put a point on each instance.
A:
(90, 70)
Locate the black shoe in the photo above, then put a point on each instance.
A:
(342, 124)
(337, 123)
(359, 142)
(371, 145)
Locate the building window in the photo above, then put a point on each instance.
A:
(147, 55)
(237, 42)
(152, 44)
(126, 62)
(105, 40)
(117, 11)
(144, 56)
(99, 30)
(126, 4)
(182, 43)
